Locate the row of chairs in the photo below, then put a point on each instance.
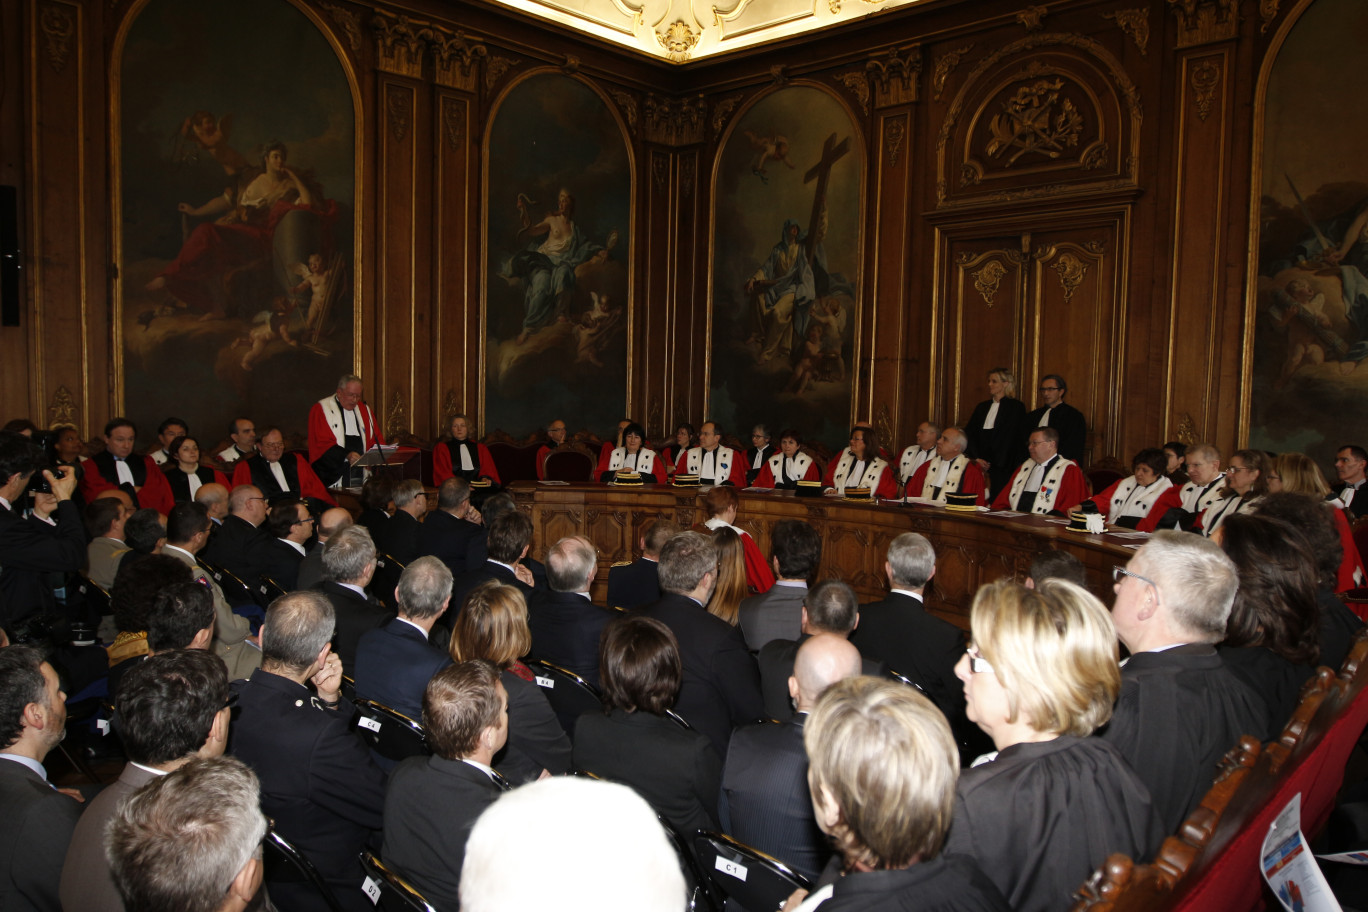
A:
(1212, 862)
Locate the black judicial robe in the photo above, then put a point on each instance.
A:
(1178, 714)
(1043, 816)
(946, 883)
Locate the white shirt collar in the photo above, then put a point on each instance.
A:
(294, 544)
(794, 584)
(909, 593)
(148, 769)
(192, 557)
(353, 587)
(509, 567)
(413, 625)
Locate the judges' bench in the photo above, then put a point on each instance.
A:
(971, 549)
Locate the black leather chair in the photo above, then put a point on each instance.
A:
(235, 590)
(390, 733)
(283, 863)
(388, 891)
(699, 896)
(747, 876)
(387, 573)
(569, 695)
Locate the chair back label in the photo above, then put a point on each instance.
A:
(548, 683)
(372, 724)
(730, 867)
(371, 889)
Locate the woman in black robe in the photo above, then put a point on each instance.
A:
(997, 430)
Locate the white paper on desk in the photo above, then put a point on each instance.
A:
(1289, 867)
(1007, 513)
(919, 500)
(1129, 534)
(552, 481)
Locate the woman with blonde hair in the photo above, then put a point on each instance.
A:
(1297, 473)
(1039, 677)
(997, 430)
(731, 576)
(492, 625)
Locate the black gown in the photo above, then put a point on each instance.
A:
(1004, 444)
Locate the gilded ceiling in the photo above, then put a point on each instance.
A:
(683, 30)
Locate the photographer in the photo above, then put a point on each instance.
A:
(50, 540)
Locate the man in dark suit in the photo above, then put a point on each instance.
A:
(32, 548)
(311, 567)
(721, 687)
(638, 583)
(348, 565)
(240, 544)
(765, 798)
(38, 819)
(796, 553)
(759, 451)
(1181, 708)
(565, 622)
(1058, 414)
(899, 632)
(509, 537)
(449, 530)
(394, 662)
(830, 607)
(172, 708)
(318, 782)
(291, 527)
(1350, 465)
(433, 802)
(400, 538)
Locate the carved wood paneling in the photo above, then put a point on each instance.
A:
(983, 295)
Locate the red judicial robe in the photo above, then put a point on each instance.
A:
(154, 490)
(443, 460)
(971, 482)
(1073, 489)
(759, 576)
(308, 484)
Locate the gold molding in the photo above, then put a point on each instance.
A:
(1032, 17)
(673, 122)
(894, 131)
(398, 110)
(678, 40)
(398, 46)
(62, 411)
(1071, 271)
(395, 417)
(945, 65)
(626, 103)
(1206, 76)
(453, 122)
(1205, 21)
(857, 82)
(883, 426)
(1268, 11)
(348, 22)
(895, 75)
(988, 278)
(456, 58)
(1135, 23)
(495, 69)
(57, 26)
(722, 112)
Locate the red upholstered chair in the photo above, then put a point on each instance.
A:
(1213, 861)
(572, 462)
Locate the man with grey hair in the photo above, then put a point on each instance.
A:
(765, 799)
(400, 536)
(342, 428)
(319, 783)
(332, 521)
(394, 662)
(190, 840)
(898, 630)
(949, 472)
(564, 620)
(449, 531)
(721, 687)
(919, 453)
(1180, 708)
(830, 607)
(348, 565)
(1179, 508)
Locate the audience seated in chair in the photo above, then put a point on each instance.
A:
(634, 742)
(348, 566)
(449, 531)
(395, 661)
(565, 623)
(637, 583)
(795, 555)
(431, 803)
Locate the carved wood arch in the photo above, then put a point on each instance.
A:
(1050, 115)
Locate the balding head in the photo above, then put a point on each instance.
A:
(822, 660)
(247, 502)
(121, 496)
(951, 443)
(215, 499)
(332, 521)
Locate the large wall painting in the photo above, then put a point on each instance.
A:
(1310, 382)
(786, 262)
(558, 227)
(237, 188)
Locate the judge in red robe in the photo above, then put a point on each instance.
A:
(459, 455)
(632, 456)
(949, 472)
(788, 466)
(278, 474)
(1045, 483)
(118, 467)
(341, 429)
(722, 502)
(861, 466)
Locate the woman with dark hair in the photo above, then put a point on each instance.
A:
(1128, 501)
(672, 452)
(184, 472)
(634, 741)
(492, 625)
(996, 430)
(1174, 451)
(459, 455)
(784, 469)
(377, 502)
(861, 466)
(632, 456)
(1271, 635)
(1245, 484)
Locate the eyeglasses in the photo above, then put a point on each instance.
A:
(250, 499)
(1243, 469)
(307, 519)
(1048, 389)
(977, 663)
(1118, 573)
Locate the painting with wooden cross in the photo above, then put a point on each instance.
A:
(786, 261)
